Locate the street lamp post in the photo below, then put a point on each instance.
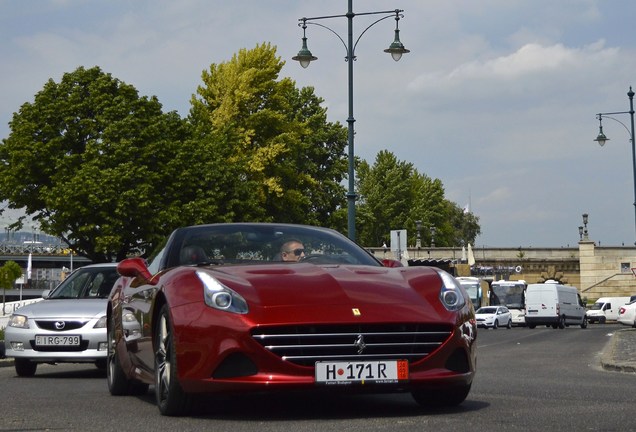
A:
(601, 139)
(304, 56)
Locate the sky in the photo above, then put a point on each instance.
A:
(497, 98)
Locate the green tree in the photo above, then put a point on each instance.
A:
(280, 160)
(96, 165)
(9, 272)
(394, 195)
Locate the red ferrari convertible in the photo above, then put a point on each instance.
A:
(243, 307)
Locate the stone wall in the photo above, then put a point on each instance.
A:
(596, 271)
(606, 271)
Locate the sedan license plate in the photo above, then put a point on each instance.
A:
(360, 372)
(66, 340)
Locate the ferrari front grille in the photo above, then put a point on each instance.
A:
(304, 345)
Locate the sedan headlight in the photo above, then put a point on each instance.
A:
(221, 297)
(101, 323)
(19, 321)
(451, 295)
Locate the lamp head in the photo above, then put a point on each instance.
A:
(601, 139)
(396, 49)
(304, 56)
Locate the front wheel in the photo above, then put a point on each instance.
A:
(584, 323)
(170, 397)
(509, 326)
(495, 326)
(25, 367)
(438, 398)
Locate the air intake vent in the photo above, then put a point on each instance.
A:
(304, 345)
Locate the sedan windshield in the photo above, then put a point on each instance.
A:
(86, 283)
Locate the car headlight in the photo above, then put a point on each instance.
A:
(18, 321)
(451, 294)
(101, 323)
(221, 297)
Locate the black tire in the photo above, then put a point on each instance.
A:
(118, 383)
(531, 326)
(602, 320)
(101, 364)
(495, 326)
(170, 397)
(584, 323)
(509, 326)
(441, 398)
(25, 367)
(561, 324)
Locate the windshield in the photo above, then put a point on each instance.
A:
(596, 306)
(92, 282)
(486, 310)
(254, 243)
(510, 295)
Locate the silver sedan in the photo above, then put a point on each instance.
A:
(67, 326)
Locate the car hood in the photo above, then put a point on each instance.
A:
(311, 291)
(488, 315)
(51, 308)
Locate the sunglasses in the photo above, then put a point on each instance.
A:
(297, 252)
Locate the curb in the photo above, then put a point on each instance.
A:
(620, 354)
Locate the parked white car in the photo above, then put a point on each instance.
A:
(493, 317)
(627, 314)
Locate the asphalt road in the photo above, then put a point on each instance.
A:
(530, 380)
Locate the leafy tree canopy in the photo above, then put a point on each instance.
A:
(9, 272)
(84, 160)
(394, 195)
(282, 160)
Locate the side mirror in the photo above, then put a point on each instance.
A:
(45, 293)
(391, 263)
(135, 268)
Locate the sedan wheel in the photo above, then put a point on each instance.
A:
(495, 325)
(25, 367)
(509, 326)
(170, 397)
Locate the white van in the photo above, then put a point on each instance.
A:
(554, 304)
(606, 308)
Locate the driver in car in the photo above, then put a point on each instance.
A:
(292, 250)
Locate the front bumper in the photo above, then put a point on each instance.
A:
(20, 343)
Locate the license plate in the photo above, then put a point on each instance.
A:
(67, 340)
(360, 372)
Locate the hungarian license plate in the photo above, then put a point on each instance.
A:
(67, 340)
(360, 372)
